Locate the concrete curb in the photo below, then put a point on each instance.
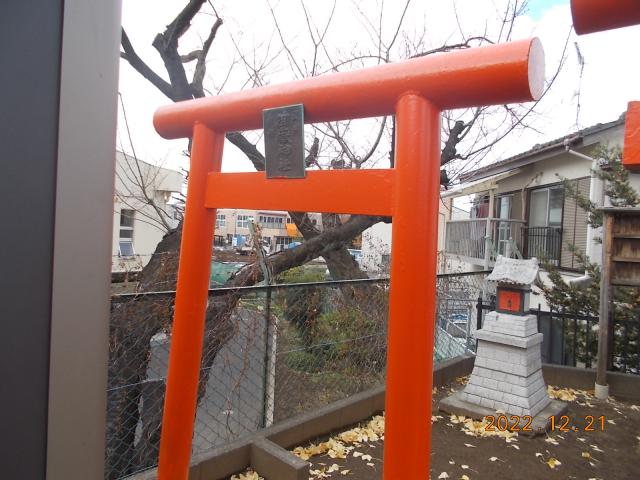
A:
(266, 451)
(624, 386)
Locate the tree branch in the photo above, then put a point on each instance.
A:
(182, 22)
(449, 151)
(248, 148)
(190, 57)
(320, 245)
(167, 46)
(201, 66)
(142, 68)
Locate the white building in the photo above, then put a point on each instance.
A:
(143, 210)
(376, 242)
(276, 228)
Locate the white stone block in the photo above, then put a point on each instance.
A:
(485, 402)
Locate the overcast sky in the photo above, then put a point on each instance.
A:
(611, 77)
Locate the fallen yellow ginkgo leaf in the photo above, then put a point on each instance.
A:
(248, 475)
(553, 463)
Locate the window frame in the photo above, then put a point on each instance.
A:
(242, 221)
(131, 214)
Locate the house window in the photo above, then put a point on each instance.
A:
(480, 208)
(125, 243)
(544, 239)
(221, 220)
(504, 228)
(546, 207)
(268, 221)
(282, 243)
(242, 221)
(504, 206)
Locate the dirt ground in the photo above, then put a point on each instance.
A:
(458, 453)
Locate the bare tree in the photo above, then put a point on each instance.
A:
(137, 182)
(468, 135)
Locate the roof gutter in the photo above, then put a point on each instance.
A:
(596, 195)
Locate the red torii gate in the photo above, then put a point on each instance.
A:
(591, 16)
(415, 91)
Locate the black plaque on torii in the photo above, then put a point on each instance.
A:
(284, 141)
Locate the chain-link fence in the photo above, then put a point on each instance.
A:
(270, 352)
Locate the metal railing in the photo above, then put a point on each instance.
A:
(471, 238)
(544, 243)
(572, 339)
(270, 352)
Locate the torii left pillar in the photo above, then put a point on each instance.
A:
(415, 91)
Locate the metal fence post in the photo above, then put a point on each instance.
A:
(269, 363)
(611, 339)
(479, 307)
(479, 313)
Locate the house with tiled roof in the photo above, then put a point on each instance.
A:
(520, 207)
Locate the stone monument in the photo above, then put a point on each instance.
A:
(507, 374)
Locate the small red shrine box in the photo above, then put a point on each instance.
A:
(513, 299)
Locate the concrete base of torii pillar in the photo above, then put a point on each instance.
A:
(507, 377)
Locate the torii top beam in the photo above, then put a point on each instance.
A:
(489, 75)
(591, 16)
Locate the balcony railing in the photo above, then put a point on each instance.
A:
(471, 239)
(466, 237)
(544, 243)
(273, 225)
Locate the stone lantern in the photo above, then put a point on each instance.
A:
(507, 374)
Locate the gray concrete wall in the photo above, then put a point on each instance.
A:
(57, 131)
(29, 87)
